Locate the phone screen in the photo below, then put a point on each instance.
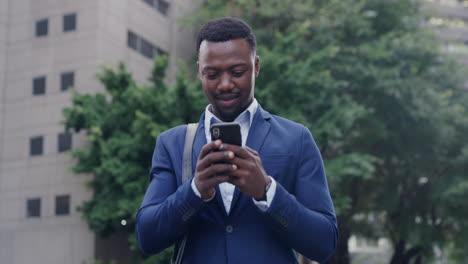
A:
(227, 132)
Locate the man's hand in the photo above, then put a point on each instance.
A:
(213, 168)
(249, 176)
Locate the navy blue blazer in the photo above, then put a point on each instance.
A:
(301, 216)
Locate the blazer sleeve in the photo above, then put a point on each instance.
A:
(167, 209)
(306, 221)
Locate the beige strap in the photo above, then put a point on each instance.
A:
(186, 175)
(187, 157)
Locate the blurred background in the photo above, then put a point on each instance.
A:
(87, 86)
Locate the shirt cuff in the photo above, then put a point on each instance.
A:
(197, 192)
(264, 205)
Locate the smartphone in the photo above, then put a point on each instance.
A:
(229, 133)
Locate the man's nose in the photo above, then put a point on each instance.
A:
(225, 82)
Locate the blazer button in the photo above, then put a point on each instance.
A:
(281, 220)
(284, 223)
(229, 229)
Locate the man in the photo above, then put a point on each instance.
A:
(258, 203)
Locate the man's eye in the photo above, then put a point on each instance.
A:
(211, 76)
(238, 73)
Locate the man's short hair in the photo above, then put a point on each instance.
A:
(225, 29)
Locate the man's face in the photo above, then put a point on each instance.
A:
(227, 71)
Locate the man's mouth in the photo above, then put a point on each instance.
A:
(227, 100)
(227, 97)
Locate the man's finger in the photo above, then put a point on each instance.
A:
(214, 181)
(217, 169)
(238, 151)
(213, 158)
(237, 181)
(238, 174)
(207, 148)
(241, 163)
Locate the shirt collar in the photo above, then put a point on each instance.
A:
(247, 115)
(249, 112)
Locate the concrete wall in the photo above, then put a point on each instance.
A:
(50, 238)
(100, 39)
(452, 9)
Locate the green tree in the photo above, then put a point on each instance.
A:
(383, 103)
(300, 43)
(370, 83)
(122, 125)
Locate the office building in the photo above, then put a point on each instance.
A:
(450, 19)
(46, 47)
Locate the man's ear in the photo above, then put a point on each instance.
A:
(198, 70)
(257, 65)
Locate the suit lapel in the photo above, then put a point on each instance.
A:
(259, 129)
(219, 200)
(199, 142)
(257, 134)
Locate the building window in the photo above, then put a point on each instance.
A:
(62, 205)
(160, 51)
(143, 46)
(64, 141)
(67, 80)
(161, 5)
(69, 22)
(42, 27)
(132, 40)
(33, 207)
(457, 48)
(448, 22)
(147, 49)
(39, 85)
(36, 146)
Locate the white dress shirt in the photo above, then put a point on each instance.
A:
(227, 189)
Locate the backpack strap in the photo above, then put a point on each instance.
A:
(187, 156)
(186, 175)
